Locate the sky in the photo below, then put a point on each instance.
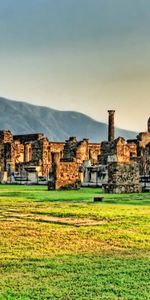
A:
(82, 55)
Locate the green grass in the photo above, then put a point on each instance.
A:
(61, 245)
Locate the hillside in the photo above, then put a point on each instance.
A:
(21, 118)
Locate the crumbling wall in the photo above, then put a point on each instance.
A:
(123, 178)
(144, 160)
(143, 139)
(122, 151)
(67, 172)
(6, 136)
(94, 152)
(107, 149)
(36, 152)
(41, 155)
(18, 152)
(82, 151)
(64, 175)
(6, 150)
(70, 146)
(31, 150)
(27, 138)
(133, 150)
(57, 147)
(147, 159)
(119, 149)
(68, 175)
(76, 151)
(46, 159)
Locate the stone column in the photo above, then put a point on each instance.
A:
(55, 169)
(111, 126)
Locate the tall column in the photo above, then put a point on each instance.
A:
(111, 126)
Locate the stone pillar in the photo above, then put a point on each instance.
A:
(27, 152)
(111, 127)
(55, 169)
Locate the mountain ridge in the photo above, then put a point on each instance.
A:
(24, 118)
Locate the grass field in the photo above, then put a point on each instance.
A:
(61, 245)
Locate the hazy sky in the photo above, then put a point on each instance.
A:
(83, 55)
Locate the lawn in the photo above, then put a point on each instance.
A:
(62, 245)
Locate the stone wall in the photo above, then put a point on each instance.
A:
(21, 151)
(74, 150)
(67, 164)
(57, 147)
(143, 139)
(143, 153)
(6, 150)
(18, 152)
(82, 151)
(26, 138)
(68, 175)
(6, 136)
(45, 157)
(144, 160)
(107, 149)
(122, 151)
(27, 152)
(119, 149)
(70, 147)
(123, 178)
(64, 175)
(94, 152)
(133, 150)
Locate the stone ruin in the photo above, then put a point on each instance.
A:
(116, 164)
(120, 157)
(64, 174)
(123, 178)
(67, 172)
(30, 158)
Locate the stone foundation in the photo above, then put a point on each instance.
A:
(123, 178)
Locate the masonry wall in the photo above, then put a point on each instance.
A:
(26, 138)
(18, 152)
(122, 151)
(119, 150)
(46, 159)
(123, 178)
(56, 146)
(68, 175)
(94, 152)
(143, 139)
(6, 150)
(82, 152)
(64, 175)
(21, 151)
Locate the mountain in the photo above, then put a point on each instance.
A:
(21, 118)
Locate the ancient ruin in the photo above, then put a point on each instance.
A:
(31, 158)
(123, 178)
(123, 166)
(116, 164)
